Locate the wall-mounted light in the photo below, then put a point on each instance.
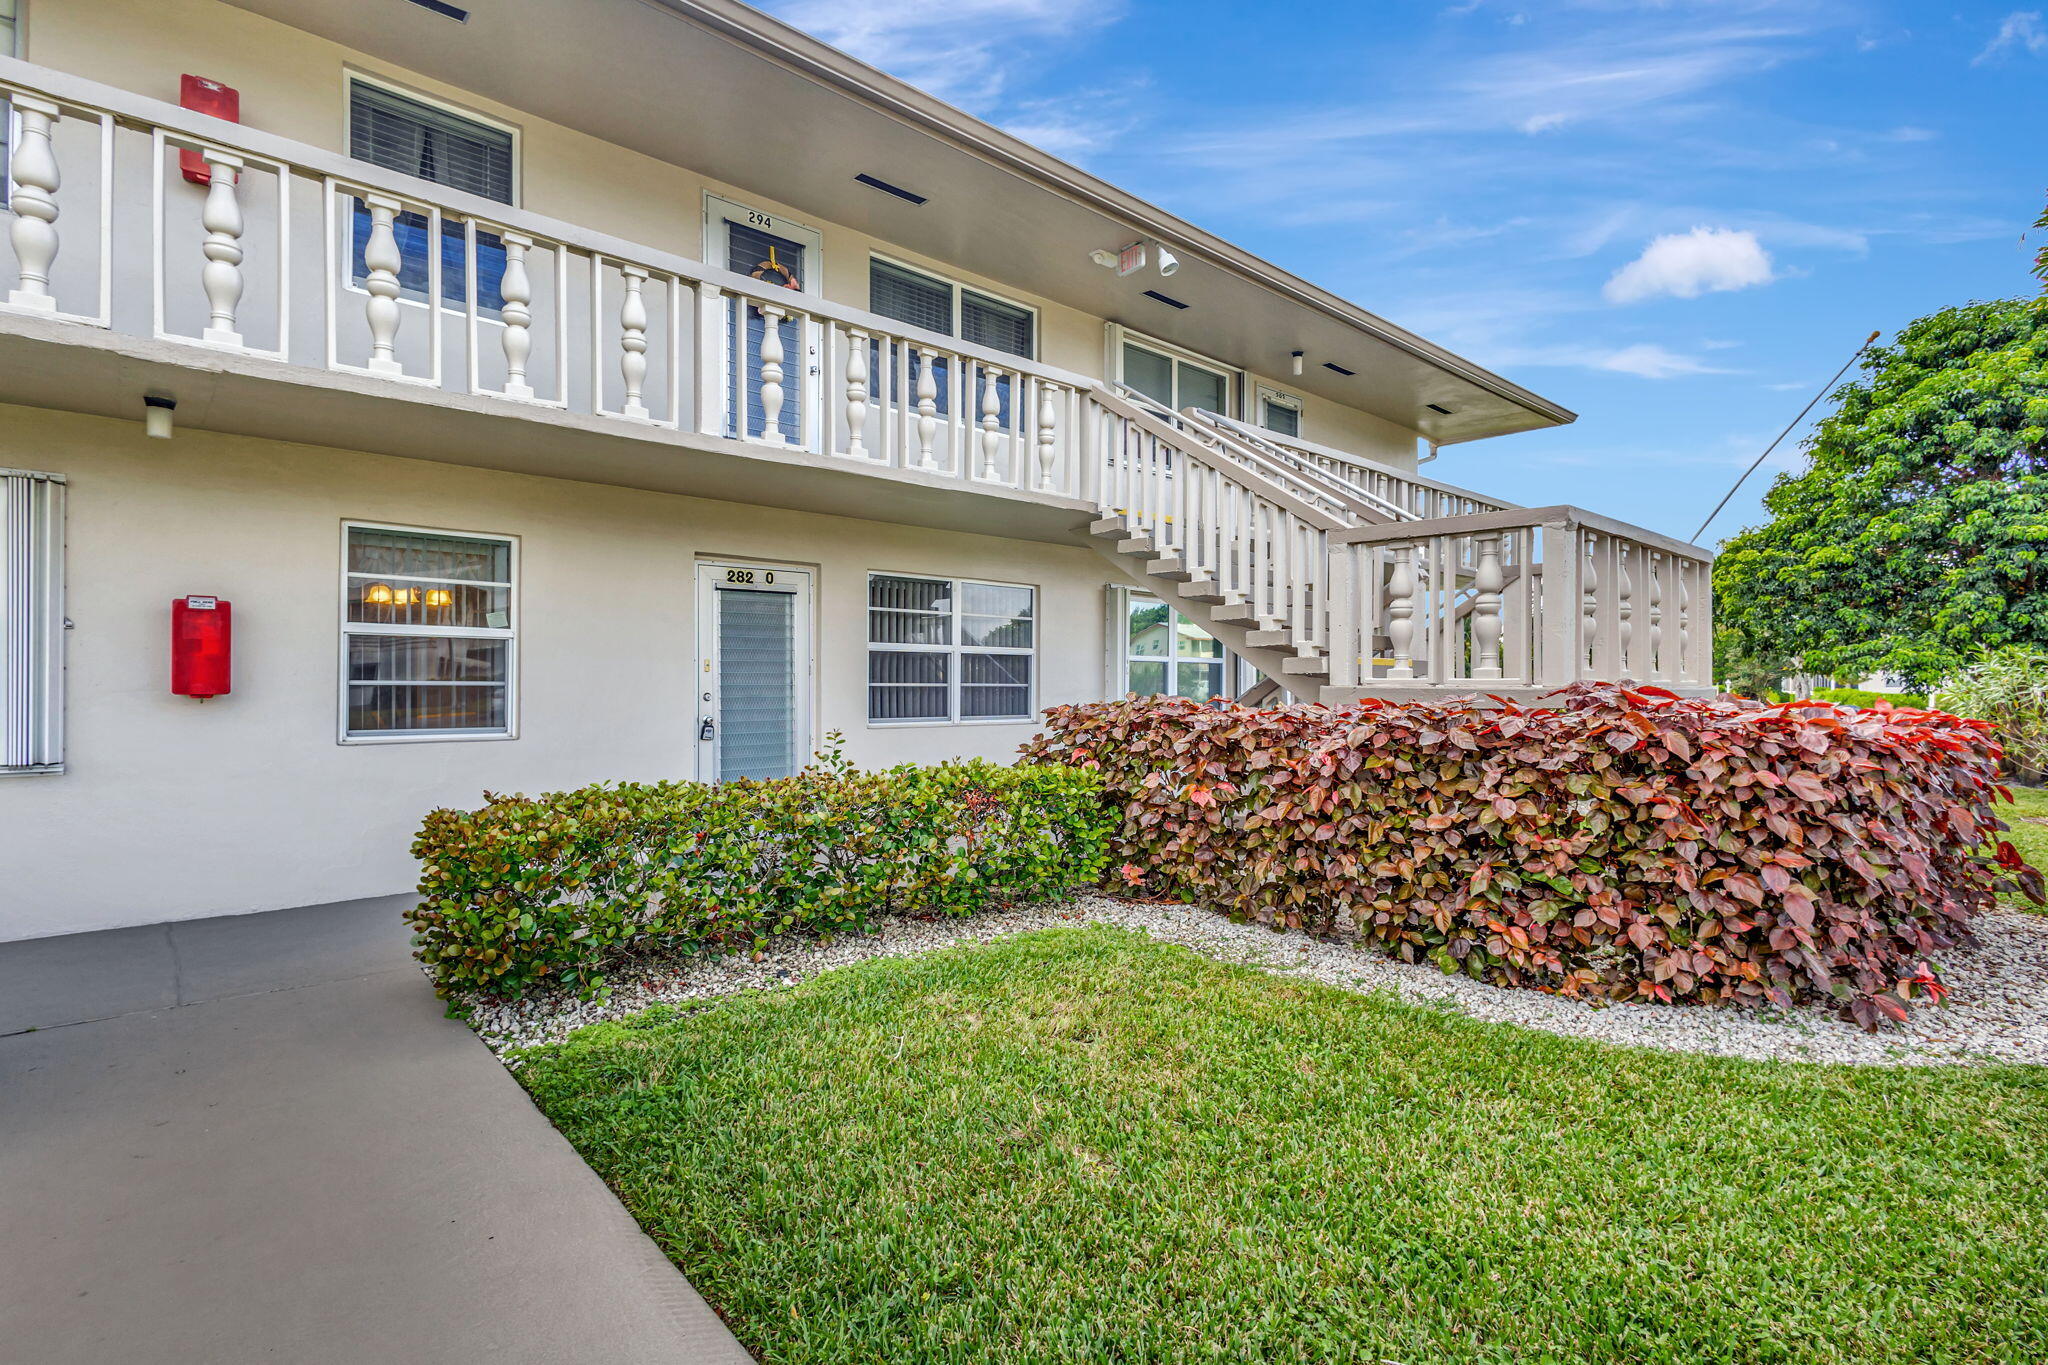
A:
(156, 416)
(1103, 258)
(1168, 262)
(1297, 364)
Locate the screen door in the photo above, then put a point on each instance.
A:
(754, 670)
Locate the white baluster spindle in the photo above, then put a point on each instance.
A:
(771, 375)
(35, 204)
(991, 421)
(382, 261)
(927, 410)
(221, 276)
(1486, 604)
(1401, 612)
(633, 343)
(515, 290)
(856, 393)
(1048, 434)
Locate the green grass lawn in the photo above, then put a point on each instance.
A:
(1081, 1145)
(2029, 804)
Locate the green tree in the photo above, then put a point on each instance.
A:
(1916, 534)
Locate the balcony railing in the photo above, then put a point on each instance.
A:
(289, 253)
(1530, 597)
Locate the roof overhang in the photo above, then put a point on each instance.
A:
(689, 82)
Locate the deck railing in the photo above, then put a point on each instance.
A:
(1412, 496)
(1529, 597)
(282, 251)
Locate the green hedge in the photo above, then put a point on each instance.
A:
(1856, 696)
(549, 891)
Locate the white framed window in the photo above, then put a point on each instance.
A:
(950, 650)
(415, 135)
(1170, 376)
(1279, 412)
(31, 622)
(1164, 654)
(429, 634)
(937, 304)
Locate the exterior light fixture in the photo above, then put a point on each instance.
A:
(1105, 259)
(156, 416)
(1297, 364)
(1168, 262)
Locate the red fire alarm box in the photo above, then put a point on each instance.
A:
(205, 97)
(202, 646)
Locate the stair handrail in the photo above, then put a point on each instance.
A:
(1288, 474)
(1361, 501)
(1261, 481)
(1308, 451)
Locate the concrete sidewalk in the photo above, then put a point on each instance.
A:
(257, 1139)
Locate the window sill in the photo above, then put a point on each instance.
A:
(949, 724)
(427, 738)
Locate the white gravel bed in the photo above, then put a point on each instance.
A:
(1997, 1009)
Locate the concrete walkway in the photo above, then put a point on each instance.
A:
(257, 1139)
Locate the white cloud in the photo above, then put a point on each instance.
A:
(1544, 123)
(1654, 362)
(1686, 265)
(2021, 31)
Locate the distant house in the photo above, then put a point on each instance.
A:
(574, 389)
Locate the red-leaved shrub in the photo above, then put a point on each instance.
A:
(1626, 843)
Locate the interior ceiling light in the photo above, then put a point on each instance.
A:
(887, 188)
(445, 10)
(1333, 365)
(1166, 299)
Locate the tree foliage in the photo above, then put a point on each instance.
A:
(1915, 535)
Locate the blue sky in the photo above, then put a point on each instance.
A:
(1676, 218)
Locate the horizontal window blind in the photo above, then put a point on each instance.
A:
(992, 323)
(31, 622)
(942, 649)
(910, 297)
(415, 138)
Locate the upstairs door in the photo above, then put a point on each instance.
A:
(782, 255)
(753, 670)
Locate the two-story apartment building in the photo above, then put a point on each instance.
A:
(560, 390)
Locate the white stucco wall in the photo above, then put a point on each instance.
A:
(172, 808)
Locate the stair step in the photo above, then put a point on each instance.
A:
(1136, 545)
(1107, 526)
(1311, 667)
(1234, 613)
(1170, 567)
(1269, 639)
(1205, 590)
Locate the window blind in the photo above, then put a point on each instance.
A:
(992, 323)
(414, 138)
(31, 622)
(910, 297)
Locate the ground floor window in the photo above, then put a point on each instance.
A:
(1166, 654)
(949, 650)
(31, 620)
(428, 634)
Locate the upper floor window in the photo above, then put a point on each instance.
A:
(31, 622)
(10, 23)
(431, 142)
(954, 310)
(428, 633)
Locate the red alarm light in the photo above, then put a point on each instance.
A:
(205, 97)
(202, 647)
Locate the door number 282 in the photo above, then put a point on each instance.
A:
(749, 576)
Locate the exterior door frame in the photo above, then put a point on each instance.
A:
(716, 575)
(807, 368)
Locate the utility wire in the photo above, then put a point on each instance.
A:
(1824, 389)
